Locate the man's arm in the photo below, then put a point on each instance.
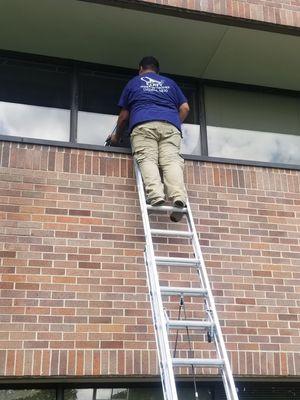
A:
(121, 124)
(184, 110)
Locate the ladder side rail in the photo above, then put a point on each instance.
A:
(158, 346)
(224, 373)
(161, 329)
(204, 278)
(192, 230)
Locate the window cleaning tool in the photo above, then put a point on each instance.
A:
(108, 139)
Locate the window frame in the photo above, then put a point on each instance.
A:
(59, 385)
(200, 113)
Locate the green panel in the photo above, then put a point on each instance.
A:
(255, 111)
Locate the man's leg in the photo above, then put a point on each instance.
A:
(172, 163)
(144, 141)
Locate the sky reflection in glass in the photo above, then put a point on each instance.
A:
(93, 128)
(34, 121)
(252, 145)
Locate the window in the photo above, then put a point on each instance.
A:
(252, 125)
(135, 393)
(256, 390)
(96, 394)
(191, 143)
(34, 100)
(262, 391)
(76, 103)
(98, 106)
(99, 94)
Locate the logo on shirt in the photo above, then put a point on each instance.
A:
(152, 85)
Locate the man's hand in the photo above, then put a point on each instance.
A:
(114, 139)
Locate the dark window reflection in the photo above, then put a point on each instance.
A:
(100, 93)
(98, 106)
(262, 391)
(34, 100)
(190, 93)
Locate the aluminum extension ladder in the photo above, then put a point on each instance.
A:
(161, 321)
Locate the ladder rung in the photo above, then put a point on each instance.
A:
(189, 324)
(200, 362)
(176, 261)
(173, 291)
(167, 232)
(167, 208)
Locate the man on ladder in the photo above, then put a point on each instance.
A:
(155, 107)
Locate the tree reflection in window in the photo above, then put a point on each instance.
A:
(97, 394)
(134, 393)
(27, 394)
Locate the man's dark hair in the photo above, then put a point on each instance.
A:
(149, 62)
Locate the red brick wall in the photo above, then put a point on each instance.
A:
(285, 12)
(73, 291)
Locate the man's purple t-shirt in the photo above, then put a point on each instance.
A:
(151, 97)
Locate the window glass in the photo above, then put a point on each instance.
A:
(34, 100)
(191, 139)
(96, 394)
(190, 93)
(191, 143)
(98, 106)
(27, 394)
(142, 393)
(98, 110)
(252, 125)
(262, 391)
(100, 92)
(96, 127)
(156, 394)
(93, 128)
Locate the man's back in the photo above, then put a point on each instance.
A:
(152, 97)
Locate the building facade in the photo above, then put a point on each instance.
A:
(75, 313)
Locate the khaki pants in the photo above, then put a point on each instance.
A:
(157, 144)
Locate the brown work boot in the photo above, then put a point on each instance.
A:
(177, 215)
